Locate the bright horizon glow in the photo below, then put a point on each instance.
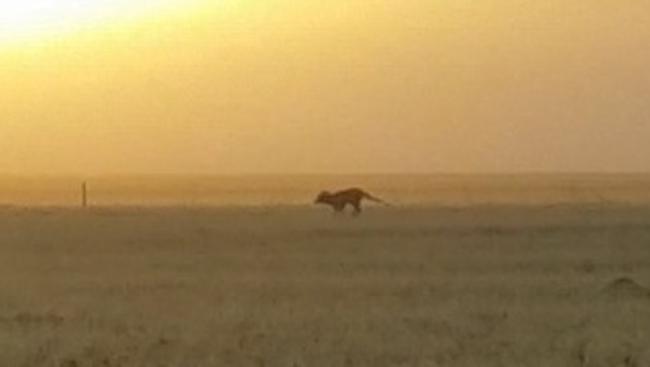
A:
(275, 86)
(29, 20)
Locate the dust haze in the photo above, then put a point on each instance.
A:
(338, 87)
(158, 175)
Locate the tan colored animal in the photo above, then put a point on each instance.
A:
(340, 199)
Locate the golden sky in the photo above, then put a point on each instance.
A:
(237, 86)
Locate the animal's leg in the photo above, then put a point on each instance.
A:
(357, 208)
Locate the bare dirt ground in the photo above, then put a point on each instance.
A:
(292, 286)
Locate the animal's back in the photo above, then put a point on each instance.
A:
(351, 193)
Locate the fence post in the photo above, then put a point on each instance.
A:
(84, 195)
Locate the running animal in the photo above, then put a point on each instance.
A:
(340, 199)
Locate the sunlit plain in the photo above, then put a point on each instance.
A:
(480, 286)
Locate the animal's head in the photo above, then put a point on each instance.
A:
(322, 197)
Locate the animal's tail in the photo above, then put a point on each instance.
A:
(374, 198)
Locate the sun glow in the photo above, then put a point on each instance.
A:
(22, 20)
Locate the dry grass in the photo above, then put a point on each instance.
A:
(481, 286)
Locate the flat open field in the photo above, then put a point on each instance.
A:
(296, 286)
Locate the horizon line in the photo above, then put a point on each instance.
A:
(333, 174)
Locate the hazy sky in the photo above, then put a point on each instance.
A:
(231, 86)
